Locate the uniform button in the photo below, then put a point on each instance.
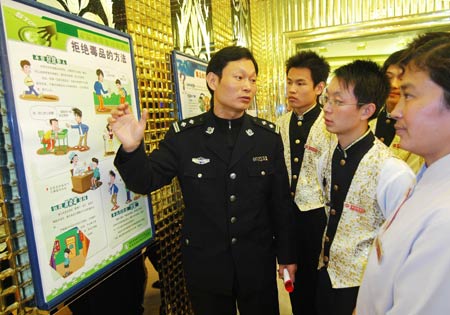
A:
(297, 141)
(327, 239)
(233, 219)
(232, 198)
(382, 139)
(388, 121)
(292, 193)
(342, 162)
(233, 175)
(299, 123)
(332, 212)
(296, 160)
(294, 176)
(263, 173)
(199, 175)
(335, 187)
(186, 241)
(234, 240)
(325, 259)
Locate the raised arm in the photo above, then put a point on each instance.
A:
(127, 128)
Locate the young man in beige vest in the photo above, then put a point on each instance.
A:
(363, 183)
(304, 138)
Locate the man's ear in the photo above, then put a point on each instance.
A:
(367, 110)
(212, 80)
(319, 87)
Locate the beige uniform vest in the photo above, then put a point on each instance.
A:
(360, 220)
(308, 192)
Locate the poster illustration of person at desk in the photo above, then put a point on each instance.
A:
(64, 151)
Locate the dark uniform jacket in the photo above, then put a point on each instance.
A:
(237, 215)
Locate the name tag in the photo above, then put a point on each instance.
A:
(260, 158)
(354, 208)
(310, 148)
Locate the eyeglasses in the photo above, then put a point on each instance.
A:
(325, 100)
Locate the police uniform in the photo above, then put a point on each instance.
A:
(305, 138)
(383, 128)
(237, 205)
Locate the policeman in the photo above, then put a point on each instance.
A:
(235, 187)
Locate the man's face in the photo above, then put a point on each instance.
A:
(78, 118)
(300, 90)
(343, 117)
(234, 92)
(394, 73)
(422, 120)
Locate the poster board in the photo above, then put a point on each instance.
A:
(62, 76)
(193, 97)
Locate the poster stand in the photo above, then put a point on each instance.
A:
(62, 76)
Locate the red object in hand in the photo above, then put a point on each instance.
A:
(288, 284)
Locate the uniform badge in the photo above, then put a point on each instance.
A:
(183, 124)
(200, 160)
(249, 132)
(191, 121)
(210, 130)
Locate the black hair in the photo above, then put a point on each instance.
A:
(433, 57)
(421, 40)
(318, 66)
(77, 112)
(394, 59)
(370, 84)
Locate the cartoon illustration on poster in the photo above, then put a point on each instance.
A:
(192, 93)
(66, 78)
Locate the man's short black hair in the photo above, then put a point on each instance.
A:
(370, 83)
(394, 59)
(318, 66)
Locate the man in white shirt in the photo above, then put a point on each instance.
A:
(409, 265)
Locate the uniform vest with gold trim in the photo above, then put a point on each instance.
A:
(308, 193)
(360, 219)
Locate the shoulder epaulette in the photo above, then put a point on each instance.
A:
(188, 123)
(266, 124)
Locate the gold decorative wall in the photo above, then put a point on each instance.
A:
(277, 24)
(222, 32)
(149, 24)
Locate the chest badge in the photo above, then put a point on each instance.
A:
(200, 160)
(249, 132)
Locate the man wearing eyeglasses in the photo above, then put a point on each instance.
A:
(304, 138)
(362, 180)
